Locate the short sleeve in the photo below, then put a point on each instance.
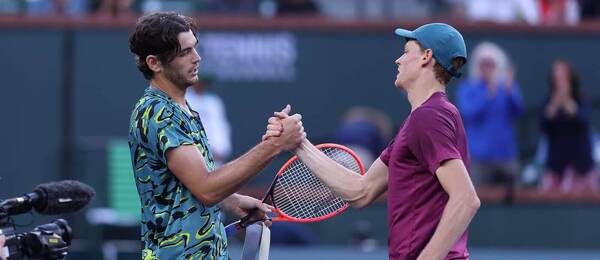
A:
(432, 138)
(166, 130)
(385, 155)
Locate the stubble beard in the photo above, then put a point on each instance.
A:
(179, 79)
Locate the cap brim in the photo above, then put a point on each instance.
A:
(405, 33)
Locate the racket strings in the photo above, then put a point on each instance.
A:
(304, 186)
(343, 158)
(318, 199)
(300, 194)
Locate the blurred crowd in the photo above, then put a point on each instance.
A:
(126, 8)
(534, 12)
(491, 103)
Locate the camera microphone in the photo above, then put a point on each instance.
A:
(50, 198)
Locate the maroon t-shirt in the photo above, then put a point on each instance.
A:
(432, 134)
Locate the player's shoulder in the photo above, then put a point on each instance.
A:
(438, 103)
(155, 98)
(426, 116)
(152, 104)
(154, 110)
(426, 111)
(148, 101)
(434, 112)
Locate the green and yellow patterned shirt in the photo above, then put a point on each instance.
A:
(175, 225)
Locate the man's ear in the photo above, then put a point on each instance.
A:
(426, 57)
(153, 63)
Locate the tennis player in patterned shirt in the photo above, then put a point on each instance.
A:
(180, 190)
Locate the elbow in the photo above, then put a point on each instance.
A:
(362, 200)
(207, 199)
(474, 204)
(467, 202)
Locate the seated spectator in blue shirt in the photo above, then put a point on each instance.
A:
(490, 101)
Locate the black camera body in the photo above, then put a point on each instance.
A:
(48, 241)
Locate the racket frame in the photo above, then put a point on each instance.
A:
(243, 222)
(284, 217)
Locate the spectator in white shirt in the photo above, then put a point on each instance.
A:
(211, 109)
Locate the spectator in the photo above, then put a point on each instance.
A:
(589, 9)
(565, 122)
(115, 8)
(453, 9)
(490, 102)
(211, 109)
(230, 7)
(107, 8)
(366, 131)
(57, 7)
(296, 7)
(559, 12)
(505, 11)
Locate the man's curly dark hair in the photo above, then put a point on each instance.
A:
(156, 34)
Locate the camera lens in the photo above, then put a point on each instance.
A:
(59, 227)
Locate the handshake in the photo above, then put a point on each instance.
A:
(285, 132)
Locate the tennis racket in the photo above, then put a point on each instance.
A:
(299, 196)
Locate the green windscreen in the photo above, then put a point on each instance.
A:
(122, 193)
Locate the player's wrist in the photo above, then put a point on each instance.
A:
(304, 147)
(272, 146)
(229, 203)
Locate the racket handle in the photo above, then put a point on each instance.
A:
(233, 228)
(241, 224)
(237, 226)
(245, 219)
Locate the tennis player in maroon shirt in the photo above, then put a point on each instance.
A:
(424, 170)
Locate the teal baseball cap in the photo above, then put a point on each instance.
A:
(445, 42)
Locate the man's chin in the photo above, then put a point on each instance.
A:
(193, 81)
(398, 84)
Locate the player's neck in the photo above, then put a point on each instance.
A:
(173, 91)
(422, 89)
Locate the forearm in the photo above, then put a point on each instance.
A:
(226, 180)
(456, 217)
(345, 183)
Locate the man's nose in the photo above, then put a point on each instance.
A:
(198, 57)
